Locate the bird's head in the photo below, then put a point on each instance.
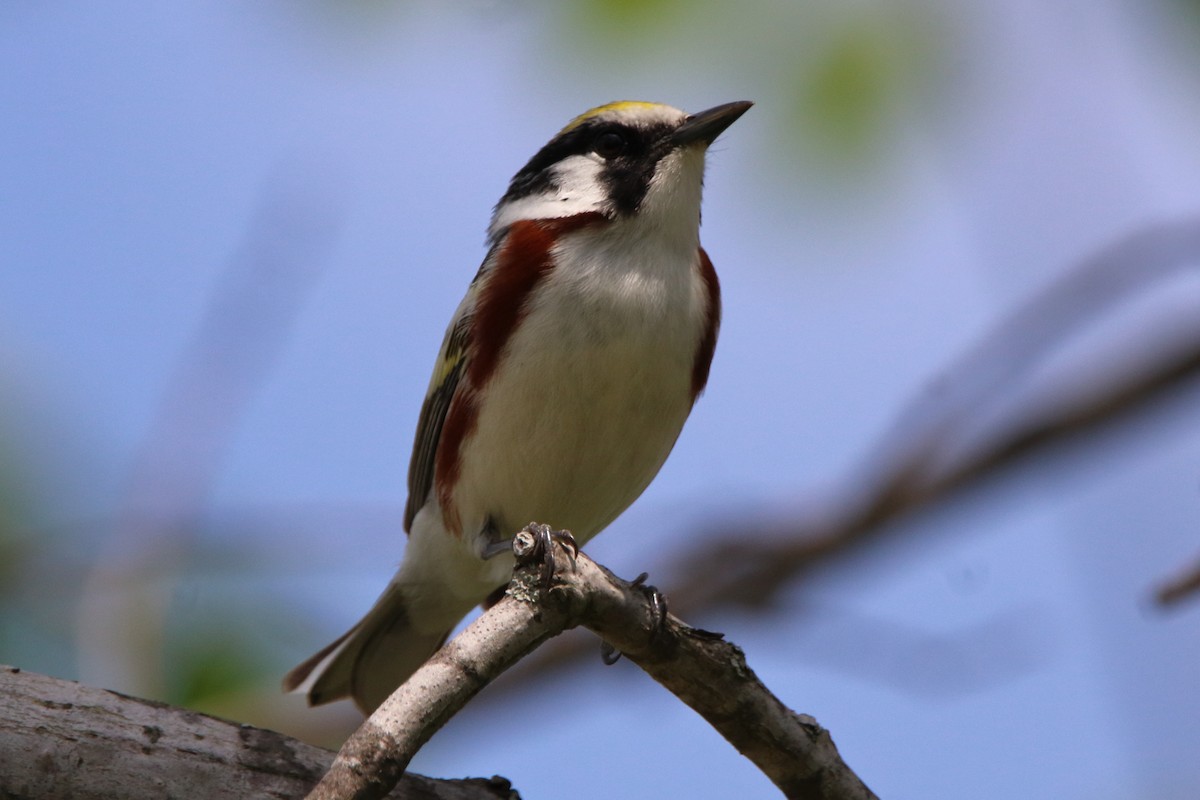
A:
(625, 159)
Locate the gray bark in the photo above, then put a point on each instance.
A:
(59, 740)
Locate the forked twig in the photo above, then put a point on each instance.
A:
(707, 673)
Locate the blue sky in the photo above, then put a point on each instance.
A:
(1007, 651)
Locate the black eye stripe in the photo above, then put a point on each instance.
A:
(577, 141)
(641, 148)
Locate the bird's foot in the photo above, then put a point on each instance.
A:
(536, 542)
(658, 606)
(492, 542)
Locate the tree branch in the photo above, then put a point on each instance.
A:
(60, 739)
(707, 673)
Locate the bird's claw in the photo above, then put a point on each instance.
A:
(609, 654)
(540, 546)
(658, 605)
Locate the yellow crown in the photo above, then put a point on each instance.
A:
(619, 105)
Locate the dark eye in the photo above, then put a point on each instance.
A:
(609, 145)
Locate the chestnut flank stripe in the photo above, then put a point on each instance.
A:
(523, 260)
(708, 343)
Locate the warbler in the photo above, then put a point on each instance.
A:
(563, 380)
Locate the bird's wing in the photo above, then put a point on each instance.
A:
(447, 373)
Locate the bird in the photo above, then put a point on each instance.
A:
(563, 380)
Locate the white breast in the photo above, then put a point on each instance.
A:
(593, 387)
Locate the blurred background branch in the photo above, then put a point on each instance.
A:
(1183, 587)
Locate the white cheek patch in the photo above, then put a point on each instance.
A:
(579, 179)
(579, 189)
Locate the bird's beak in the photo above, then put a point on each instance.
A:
(708, 125)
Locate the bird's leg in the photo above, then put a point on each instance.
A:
(499, 547)
(492, 542)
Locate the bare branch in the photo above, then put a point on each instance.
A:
(60, 739)
(708, 674)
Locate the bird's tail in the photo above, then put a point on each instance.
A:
(371, 659)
